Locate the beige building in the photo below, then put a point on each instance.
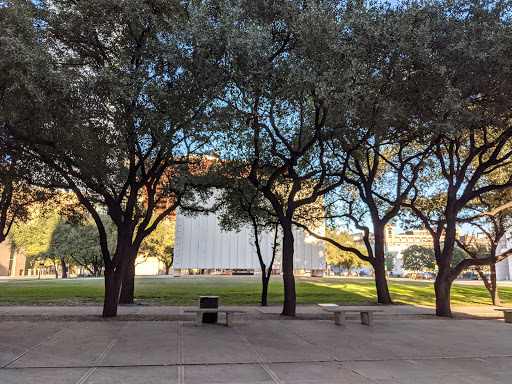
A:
(146, 266)
(12, 263)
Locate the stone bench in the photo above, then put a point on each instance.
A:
(200, 311)
(507, 313)
(340, 314)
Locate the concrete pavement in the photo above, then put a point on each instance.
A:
(170, 312)
(405, 345)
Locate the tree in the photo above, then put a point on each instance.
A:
(277, 108)
(493, 219)
(242, 205)
(17, 197)
(160, 244)
(83, 244)
(418, 258)
(338, 256)
(133, 92)
(53, 236)
(35, 239)
(380, 155)
(458, 256)
(471, 130)
(390, 263)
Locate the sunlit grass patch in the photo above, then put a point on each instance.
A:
(240, 290)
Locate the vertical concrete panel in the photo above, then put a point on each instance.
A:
(233, 249)
(219, 248)
(226, 249)
(299, 261)
(191, 242)
(212, 234)
(321, 255)
(178, 241)
(203, 232)
(263, 238)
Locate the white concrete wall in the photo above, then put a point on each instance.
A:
(504, 267)
(200, 243)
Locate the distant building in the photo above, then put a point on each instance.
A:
(12, 262)
(145, 266)
(395, 244)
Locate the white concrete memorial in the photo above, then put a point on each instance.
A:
(200, 243)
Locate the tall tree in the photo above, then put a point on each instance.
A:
(278, 102)
(136, 92)
(471, 128)
(244, 205)
(490, 214)
(17, 197)
(379, 159)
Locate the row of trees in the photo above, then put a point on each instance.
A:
(52, 236)
(366, 108)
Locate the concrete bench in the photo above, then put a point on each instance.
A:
(340, 314)
(200, 311)
(507, 313)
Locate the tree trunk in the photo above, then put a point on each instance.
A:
(264, 290)
(167, 267)
(113, 280)
(442, 286)
(56, 269)
(492, 286)
(290, 299)
(379, 268)
(64, 268)
(128, 285)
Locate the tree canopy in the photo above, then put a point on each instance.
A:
(418, 258)
(365, 107)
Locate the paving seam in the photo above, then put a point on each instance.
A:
(31, 349)
(413, 361)
(181, 367)
(264, 365)
(418, 360)
(91, 370)
(161, 365)
(325, 352)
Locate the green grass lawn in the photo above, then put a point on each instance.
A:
(238, 290)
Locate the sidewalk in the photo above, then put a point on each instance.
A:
(254, 312)
(261, 348)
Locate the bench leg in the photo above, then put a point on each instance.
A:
(199, 319)
(229, 318)
(508, 317)
(339, 318)
(366, 318)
